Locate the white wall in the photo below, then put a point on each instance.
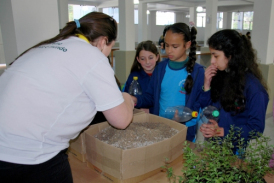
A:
(2, 55)
(26, 23)
(33, 25)
(8, 31)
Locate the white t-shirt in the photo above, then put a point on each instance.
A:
(49, 95)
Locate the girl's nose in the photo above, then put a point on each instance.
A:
(212, 61)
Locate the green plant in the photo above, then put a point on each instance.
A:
(214, 160)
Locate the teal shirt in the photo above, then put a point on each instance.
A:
(172, 86)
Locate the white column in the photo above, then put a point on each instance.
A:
(225, 20)
(142, 22)
(2, 54)
(8, 31)
(126, 25)
(149, 26)
(192, 12)
(211, 18)
(262, 36)
(179, 17)
(63, 13)
(153, 36)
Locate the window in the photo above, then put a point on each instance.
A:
(242, 20)
(201, 18)
(77, 11)
(248, 20)
(135, 16)
(237, 20)
(113, 12)
(165, 18)
(220, 18)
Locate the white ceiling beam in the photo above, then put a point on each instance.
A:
(108, 4)
(171, 2)
(234, 3)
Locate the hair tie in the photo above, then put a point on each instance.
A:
(77, 23)
(189, 74)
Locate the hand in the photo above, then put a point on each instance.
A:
(209, 73)
(145, 110)
(211, 129)
(134, 100)
(176, 116)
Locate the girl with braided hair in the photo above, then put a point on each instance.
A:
(51, 92)
(178, 79)
(234, 84)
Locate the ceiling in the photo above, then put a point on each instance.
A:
(167, 5)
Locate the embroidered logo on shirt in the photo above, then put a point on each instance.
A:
(182, 88)
(64, 49)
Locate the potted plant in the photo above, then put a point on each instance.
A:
(214, 160)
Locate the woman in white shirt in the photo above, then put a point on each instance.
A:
(51, 92)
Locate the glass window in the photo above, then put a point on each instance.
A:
(165, 18)
(220, 18)
(113, 12)
(135, 16)
(248, 20)
(237, 20)
(201, 18)
(77, 11)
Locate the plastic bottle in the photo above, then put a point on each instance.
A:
(209, 112)
(135, 88)
(184, 113)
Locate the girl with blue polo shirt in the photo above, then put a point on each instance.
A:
(146, 58)
(177, 80)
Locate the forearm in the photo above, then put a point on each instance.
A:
(205, 99)
(121, 115)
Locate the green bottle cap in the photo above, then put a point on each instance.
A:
(215, 113)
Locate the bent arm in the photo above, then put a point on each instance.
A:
(121, 115)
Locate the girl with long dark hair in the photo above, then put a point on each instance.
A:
(234, 84)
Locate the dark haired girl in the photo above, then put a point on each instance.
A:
(177, 80)
(51, 92)
(234, 84)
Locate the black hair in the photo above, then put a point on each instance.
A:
(189, 34)
(228, 86)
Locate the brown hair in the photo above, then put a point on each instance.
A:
(147, 46)
(92, 26)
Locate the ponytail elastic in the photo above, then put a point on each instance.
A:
(77, 23)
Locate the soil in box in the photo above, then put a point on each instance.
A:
(136, 135)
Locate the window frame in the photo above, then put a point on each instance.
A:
(241, 20)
